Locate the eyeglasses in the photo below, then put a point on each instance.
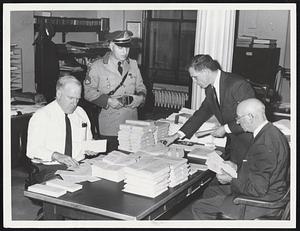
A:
(238, 118)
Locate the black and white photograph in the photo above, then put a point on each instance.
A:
(165, 115)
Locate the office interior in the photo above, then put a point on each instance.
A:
(165, 43)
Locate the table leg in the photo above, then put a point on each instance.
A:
(50, 212)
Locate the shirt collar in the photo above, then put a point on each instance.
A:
(217, 80)
(257, 130)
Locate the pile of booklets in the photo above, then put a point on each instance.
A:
(55, 187)
(161, 131)
(244, 40)
(111, 167)
(135, 135)
(179, 169)
(148, 177)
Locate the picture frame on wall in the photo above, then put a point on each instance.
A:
(134, 27)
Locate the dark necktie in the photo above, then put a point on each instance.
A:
(215, 95)
(120, 68)
(68, 143)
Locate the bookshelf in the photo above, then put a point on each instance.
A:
(65, 25)
(16, 70)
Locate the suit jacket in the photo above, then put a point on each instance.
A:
(233, 89)
(264, 172)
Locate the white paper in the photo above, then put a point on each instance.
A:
(94, 145)
(216, 164)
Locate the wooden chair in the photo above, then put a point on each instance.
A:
(282, 204)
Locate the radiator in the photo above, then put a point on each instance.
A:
(170, 96)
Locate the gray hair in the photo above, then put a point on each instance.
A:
(64, 80)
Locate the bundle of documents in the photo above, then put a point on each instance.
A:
(197, 167)
(201, 153)
(108, 171)
(70, 187)
(77, 174)
(148, 177)
(179, 169)
(215, 163)
(155, 149)
(135, 135)
(47, 190)
(161, 131)
(111, 166)
(119, 158)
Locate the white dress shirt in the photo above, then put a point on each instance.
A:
(47, 132)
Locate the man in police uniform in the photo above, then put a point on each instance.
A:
(108, 80)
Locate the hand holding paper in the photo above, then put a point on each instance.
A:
(218, 165)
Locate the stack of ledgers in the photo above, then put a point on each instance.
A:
(135, 135)
(179, 169)
(162, 130)
(111, 167)
(148, 177)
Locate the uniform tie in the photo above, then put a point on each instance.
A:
(68, 143)
(120, 68)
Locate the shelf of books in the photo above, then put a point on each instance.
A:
(16, 70)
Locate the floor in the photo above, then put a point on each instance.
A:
(22, 207)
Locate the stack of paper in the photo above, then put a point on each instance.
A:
(179, 169)
(70, 187)
(155, 149)
(119, 158)
(197, 167)
(47, 190)
(77, 174)
(161, 131)
(201, 153)
(108, 171)
(149, 177)
(133, 137)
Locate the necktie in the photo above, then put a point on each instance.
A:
(120, 68)
(215, 95)
(68, 142)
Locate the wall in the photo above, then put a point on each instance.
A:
(21, 32)
(267, 24)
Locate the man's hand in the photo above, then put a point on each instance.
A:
(90, 153)
(224, 178)
(220, 132)
(64, 159)
(169, 139)
(137, 101)
(114, 103)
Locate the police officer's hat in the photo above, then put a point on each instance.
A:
(121, 38)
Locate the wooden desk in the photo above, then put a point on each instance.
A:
(105, 200)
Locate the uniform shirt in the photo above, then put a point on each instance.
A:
(47, 132)
(103, 76)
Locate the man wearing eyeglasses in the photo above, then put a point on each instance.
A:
(223, 93)
(263, 174)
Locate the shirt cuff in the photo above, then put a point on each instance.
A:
(181, 134)
(227, 130)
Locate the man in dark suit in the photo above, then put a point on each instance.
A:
(262, 175)
(223, 93)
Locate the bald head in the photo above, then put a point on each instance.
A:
(251, 113)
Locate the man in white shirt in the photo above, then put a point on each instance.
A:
(47, 142)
